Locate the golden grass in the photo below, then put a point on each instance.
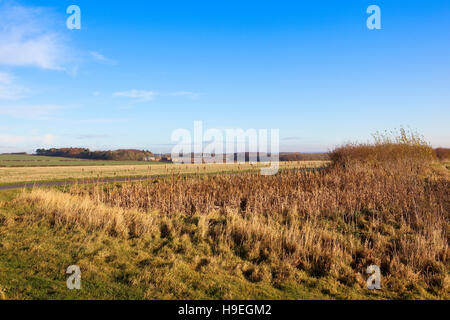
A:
(390, 209)
(394, 150)
(331, 224)
(65, 210)
(35, 174)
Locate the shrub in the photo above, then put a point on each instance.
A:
(403, 149)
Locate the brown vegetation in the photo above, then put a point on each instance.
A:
(396, 151)
(443, 153)
(375, 205)
(297, 156)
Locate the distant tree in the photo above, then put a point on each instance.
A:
(82, 153)
(296, 156)
(443, 153)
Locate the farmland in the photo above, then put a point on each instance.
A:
(300, 234)
(19, 160)
(13, 175)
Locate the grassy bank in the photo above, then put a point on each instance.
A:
(34, 257)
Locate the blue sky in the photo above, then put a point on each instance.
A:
(138, 70)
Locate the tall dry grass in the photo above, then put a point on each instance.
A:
(396, 150)
(372, 206)
(61, 209)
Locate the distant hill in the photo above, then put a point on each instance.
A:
(82, 153)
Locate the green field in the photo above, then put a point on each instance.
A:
(12, 160)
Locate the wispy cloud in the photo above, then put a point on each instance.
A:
(103, 120)
(137, 95)
(91, 136)
(146, 95)
(16, 141)
(291, 138)
(5, 78)
(188, 94)
(30, 112)
(9, 90)
(27, 38)
(101, 58)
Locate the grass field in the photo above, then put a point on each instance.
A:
(13, 175)
(8, 160)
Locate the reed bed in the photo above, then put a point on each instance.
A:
(330, 223)
(334, 222)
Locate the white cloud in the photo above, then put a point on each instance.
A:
(144, 95)
(5, 78)
(8, 140)
(91, 136)
(101, 58)
(291, 138)
(104, 120)
(188, 94)
(9, 90)
(27, 38)
(137, 95)
(30, 112)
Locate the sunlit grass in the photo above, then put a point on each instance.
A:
(34, 174)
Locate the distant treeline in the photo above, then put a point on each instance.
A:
(142, 155)
(254, 156)
(81, 153)
(442, 153)
(297, 156)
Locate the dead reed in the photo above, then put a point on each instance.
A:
(374, 205)
(333, 222)
(397, 151)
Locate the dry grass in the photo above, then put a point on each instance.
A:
(394, 150)
(328, 224)
(368, 208)
(61, 209)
